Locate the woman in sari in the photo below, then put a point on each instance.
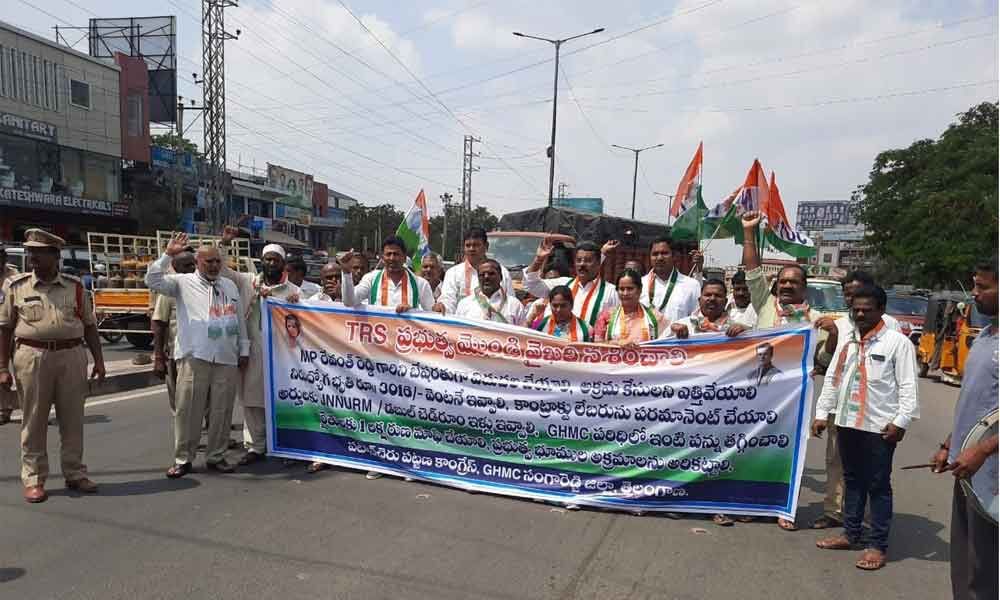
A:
(561, 322)
(630, 322)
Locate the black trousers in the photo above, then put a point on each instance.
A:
(973, 551)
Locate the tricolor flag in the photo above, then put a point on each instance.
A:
(415, 230)
(688, 206)
(780, 234)
(725, 218)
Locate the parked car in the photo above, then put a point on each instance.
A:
(910, 311)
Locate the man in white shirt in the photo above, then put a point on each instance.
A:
(591, 294)
(394, 286)
(432, 270)
(740, 308)
(211, 349)
(490, 302)
(833, 502)
(296, 268)
(870, 391)
(665, 288)
(461, 280)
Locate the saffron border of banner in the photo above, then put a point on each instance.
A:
(798, 455)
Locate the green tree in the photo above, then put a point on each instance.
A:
(479, 217)
(931, 209)
(367, 226)
(172, 140)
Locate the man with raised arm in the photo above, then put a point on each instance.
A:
(591, 294)
(272, 281)
(211, 350)
(788, 307)
(462, 279)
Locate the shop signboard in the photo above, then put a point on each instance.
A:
(30, 128)
(61, 202)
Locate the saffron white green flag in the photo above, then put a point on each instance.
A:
(415, 230)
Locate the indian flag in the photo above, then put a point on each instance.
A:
(415, 230)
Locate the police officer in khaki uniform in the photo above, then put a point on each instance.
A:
(48, 316)
(8, 397)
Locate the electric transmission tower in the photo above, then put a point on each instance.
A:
(467, 171)
(213, 40)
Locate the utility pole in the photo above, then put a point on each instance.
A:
(635, 174)
(446, 200)
(555, 98)
(178, 155)
(213, 45)
(467, 171)
(670, 201)
(562, 189)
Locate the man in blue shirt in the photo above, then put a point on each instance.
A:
(974, 538)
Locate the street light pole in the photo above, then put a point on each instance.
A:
(555, 98)
(635, 174)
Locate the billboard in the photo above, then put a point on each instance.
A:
(817, 216)
(154, 40)
(591, 205)
(298, 187)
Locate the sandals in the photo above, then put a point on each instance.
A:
(177, 471)
(315, 467)
(722, 520)
(826, 522)
(872, 559)
(787, 525)
(837, 542)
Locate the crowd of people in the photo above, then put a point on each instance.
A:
(208, 345)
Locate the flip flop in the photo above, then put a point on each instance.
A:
(838, 542)
(871, 560)
(787, 525)
(722, 520)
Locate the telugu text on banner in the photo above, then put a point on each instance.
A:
(708, 424)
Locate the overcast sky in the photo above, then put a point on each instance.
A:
(815, 89)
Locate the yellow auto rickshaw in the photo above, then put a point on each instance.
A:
(951, 326)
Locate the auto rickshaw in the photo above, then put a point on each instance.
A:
(950, 327)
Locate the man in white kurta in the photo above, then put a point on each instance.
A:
(665, 289)
(491, 302)
(591, 294)
(272, 281)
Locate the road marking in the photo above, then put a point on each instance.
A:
(149, 392)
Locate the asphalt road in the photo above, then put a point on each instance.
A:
(273, 531)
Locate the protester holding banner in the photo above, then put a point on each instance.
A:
(788, 304)
(462, 279)
(591, 294)
(739, 308)
(211, 348)
(665, 289)
(394, 285)
(871, 395)
(490, 302)
(537, 306)
(631, 322)
(561, 322)
(272, 281)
